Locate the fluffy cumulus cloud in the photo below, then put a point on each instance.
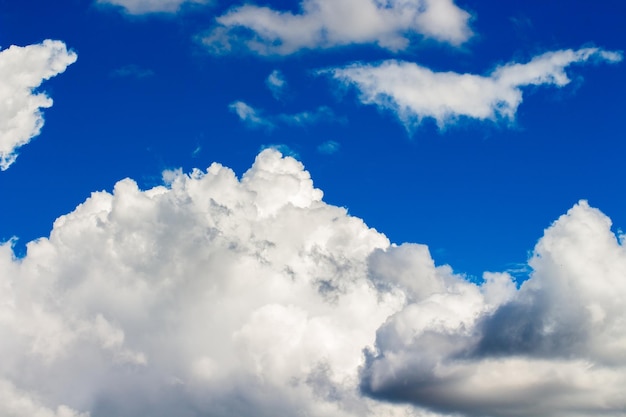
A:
(213, 295)
(414, 92)
(138, 7)
(22, 70)
(390, 24)
(193, 299)
(555, 347)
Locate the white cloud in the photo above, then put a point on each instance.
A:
(329, 147)
(209, 296)
(22, 70)
(249, 115)
(138, 7)
(254, 118)
(252, 297)
(282, 148)
(277, 83)
(390, 24)
(414, 92)
(553, 348)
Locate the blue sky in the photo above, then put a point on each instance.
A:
(467, 126)
(145, 96)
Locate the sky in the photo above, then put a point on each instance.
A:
(312, 208)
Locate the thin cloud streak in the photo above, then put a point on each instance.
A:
(329, 147)
(254, 118)
(132, 71)
(141, 7)
(277, 84)
(249, 115)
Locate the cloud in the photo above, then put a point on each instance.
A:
(552, 348)
(22, 70)
(390, 24)
(277, 83)
(413, 92)
(254, 118)
(254, 297)
(282, 148)
(213, 295)
(249, 115)
(132, 71)
(210, 295)
(139, 7)
(14, 403)
(321, 114)
(329, 147)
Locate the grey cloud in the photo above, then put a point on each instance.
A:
(550, 348)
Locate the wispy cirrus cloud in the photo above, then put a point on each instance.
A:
(277, 84)
(254, 118)
(132, 71)
(413, 92)
(330, 23)
(140, 7)
(329, 147)
(249, 115)
(22, 70)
